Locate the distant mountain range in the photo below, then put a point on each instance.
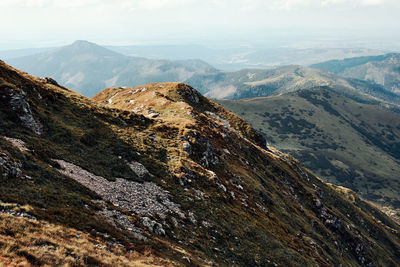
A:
(89, 68)
(255, 83)
(227, 57)
(247, 56)
(344, 142)
(383, 70)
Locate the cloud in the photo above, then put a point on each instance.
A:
(48, 3)
(353, 2)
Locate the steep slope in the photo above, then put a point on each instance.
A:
(88, 68)
(383, 70)
(256, 83)
(179, 178)
(344, 142)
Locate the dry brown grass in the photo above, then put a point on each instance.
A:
(26, 242)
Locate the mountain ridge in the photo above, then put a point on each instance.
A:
(259, 83)
(89, 68)
(382, 70)
(363, 155)
(179, 178)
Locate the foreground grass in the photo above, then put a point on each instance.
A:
(30, 242)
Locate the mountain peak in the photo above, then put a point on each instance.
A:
(170, 101)
(83, 43)
(85, 47)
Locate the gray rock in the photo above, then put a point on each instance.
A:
(9, 168)
(147, 222)
(318, 203)
(187, 147)
(192, 218)
(20, 104)
(158, 229)
(153, 226)
(139, 169)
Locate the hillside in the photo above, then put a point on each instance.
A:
(344, 142)
(256, 83)
(88, 68)
(382, 70)
(160, 175)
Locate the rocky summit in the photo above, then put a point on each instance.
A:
(159, 175)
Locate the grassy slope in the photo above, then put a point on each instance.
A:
(345, 142)
(383, 70)
(26, 241)
(272, 210)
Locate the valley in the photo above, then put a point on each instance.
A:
(344, 142)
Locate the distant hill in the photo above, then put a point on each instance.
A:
(255, 83)
(234, 58)
(88, 68)
(383, 70)
(344, 142)
(16, 53)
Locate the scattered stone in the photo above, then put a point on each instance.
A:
(225, 123)
(206, 224)
(192, 218)
(10, 208)
(121, 221)
(144, 199)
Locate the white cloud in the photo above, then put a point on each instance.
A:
(48, 3)
(353, 2)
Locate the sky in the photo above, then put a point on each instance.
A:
(41, 23)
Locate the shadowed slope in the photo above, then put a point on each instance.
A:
(216, 194)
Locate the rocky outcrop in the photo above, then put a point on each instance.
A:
(18, 103)
(8, 167)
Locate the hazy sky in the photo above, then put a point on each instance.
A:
(26, 23)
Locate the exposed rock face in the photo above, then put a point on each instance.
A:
(146, 199)
(139, 169)
(18, 103)
(8, 167)
(17, 143)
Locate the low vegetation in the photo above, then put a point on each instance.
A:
(240, 202)
(344, 142)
